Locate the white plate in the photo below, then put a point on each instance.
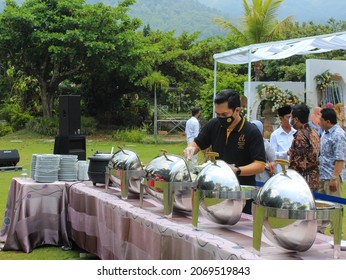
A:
(343, 244)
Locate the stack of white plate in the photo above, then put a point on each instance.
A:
(68, 168)
(83, 167)
(33, 166)
(46, 168)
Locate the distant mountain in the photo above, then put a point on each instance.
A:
(317, 11)
(167, 15)
(177, 15)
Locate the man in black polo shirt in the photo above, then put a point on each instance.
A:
(237, 141)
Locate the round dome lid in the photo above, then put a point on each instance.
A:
(125, 160)
(286, 190)
(219, 177)
(168, 168)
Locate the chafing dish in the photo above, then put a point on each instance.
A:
(218, 194)
(168, 180)
(125, 170)
(287, 213)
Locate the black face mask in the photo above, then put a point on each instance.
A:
(225, 122)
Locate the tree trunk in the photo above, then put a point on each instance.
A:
(46, 100)
(258, 67)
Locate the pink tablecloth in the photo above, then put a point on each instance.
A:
(35, 215)
(111, 228)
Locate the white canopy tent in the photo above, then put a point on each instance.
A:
(279, 50)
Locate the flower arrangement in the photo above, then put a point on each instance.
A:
(323, 80)
(243, 111)
(278, 97)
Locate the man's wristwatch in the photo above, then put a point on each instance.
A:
(238, 171)
(334, 177)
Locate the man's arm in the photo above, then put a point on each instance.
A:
(250, 169)
(339, 164)
(336, 175)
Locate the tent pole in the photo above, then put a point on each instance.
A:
(215, 70)
(249, 101)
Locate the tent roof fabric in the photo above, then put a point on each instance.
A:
(283, 49)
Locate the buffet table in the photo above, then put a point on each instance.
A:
(98, 221)
(111, 228)
(35, 215)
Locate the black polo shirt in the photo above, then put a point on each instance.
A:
(243, 146)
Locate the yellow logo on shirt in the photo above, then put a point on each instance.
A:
(241, 142)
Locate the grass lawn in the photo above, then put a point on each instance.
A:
(28, 143)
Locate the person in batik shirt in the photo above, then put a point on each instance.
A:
(305, 148)
(332, 154)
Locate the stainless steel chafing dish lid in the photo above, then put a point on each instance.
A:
(220, 193)
(168, 168)
(286, 190)
(217, 178)
(125, 160)
(288, 213)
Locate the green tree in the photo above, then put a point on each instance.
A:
(228, 77)
(54, 40)
(153, 81)
(186, 61)
(259, 24)
(21, 88)
(106, 72)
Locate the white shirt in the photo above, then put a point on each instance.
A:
(191, 129)
(281, 141)
(270, 157)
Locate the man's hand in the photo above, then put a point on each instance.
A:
(332, 185)
(189, 152)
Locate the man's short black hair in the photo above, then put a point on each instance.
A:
(230, 96)
(301, 112)
(284, 110)
(329, 114)
(195, 111)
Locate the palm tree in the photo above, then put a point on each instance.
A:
(259, 25)
(152, 81)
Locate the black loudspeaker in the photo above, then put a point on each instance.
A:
(69, 115)
(9, 157)
(71, 145)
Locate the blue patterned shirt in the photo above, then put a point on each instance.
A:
(332, 148)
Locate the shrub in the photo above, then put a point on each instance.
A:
(150, 139)
(44, 126)
(129, 135)
(135, 135)
(11, 112)
(148, 127)
(88, 125)
(19, 121)
(50, 126)
(131, 112)
(5, 129)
